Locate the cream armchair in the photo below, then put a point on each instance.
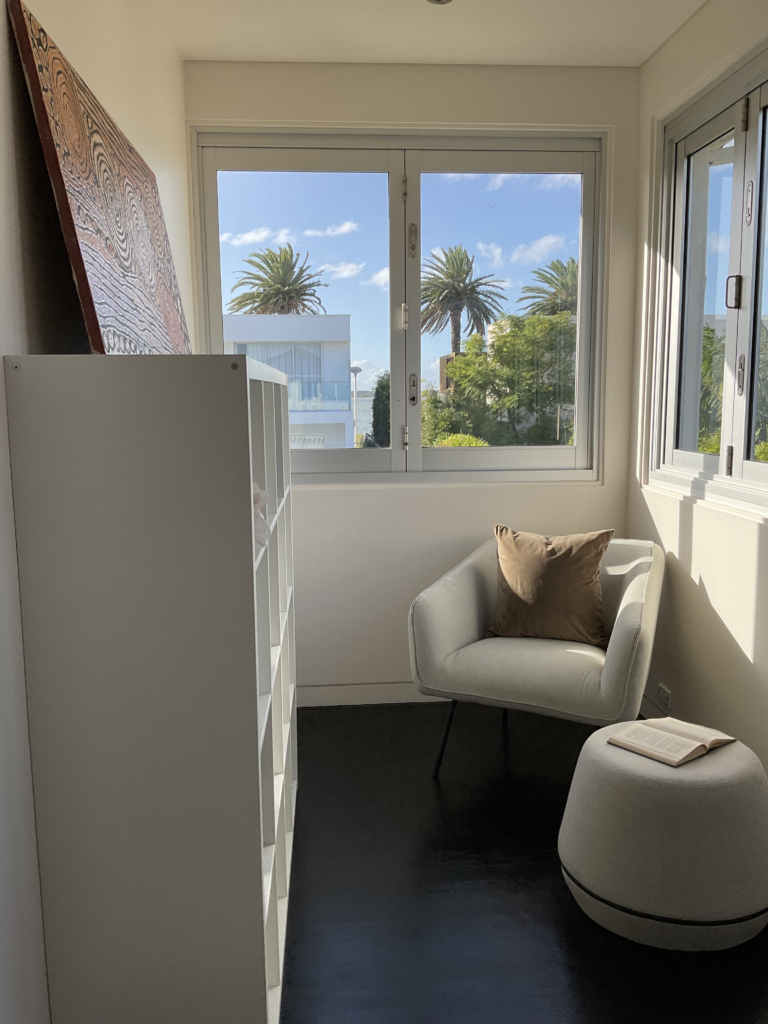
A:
(452, 657)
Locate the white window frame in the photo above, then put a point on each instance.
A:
(729, 479)
(405, 157)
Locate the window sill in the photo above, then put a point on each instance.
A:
(446, 478)
(735, 495)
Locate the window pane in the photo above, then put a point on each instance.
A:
(707, 257)
(500, 283)
(304, 284)
(759, 432)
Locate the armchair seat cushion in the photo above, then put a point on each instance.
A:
(554, 677)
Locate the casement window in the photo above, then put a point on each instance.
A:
(712, 352)
(434, 304)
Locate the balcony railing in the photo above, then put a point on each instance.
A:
(314, 396)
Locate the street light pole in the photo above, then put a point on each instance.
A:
(354, 370)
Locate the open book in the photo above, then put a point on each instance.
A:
(669, 740)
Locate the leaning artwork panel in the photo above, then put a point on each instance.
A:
(109, 206)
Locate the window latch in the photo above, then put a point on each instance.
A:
(740, 375)
(733, 292)
(412, 247)
(413, 389)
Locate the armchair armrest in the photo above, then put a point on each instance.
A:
(453, 613)
(628, 657)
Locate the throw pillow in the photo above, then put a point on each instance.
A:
(549, 587)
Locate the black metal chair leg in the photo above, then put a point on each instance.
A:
(439, 761)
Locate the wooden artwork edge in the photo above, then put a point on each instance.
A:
(16, 13)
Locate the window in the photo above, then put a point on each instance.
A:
(713, 412)
(432, 305)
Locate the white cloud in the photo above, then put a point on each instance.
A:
(458, 177)
(284, 237)
(366, 381)
(438, 251)
(380, 279)
(338, 271)
(537, 251)
(556, 181)
(717, 242)
(247, 237)
(496, 182)
(333, 231)
(491, 253)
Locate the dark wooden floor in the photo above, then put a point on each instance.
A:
(417, 903)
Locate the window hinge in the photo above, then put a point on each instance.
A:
(405, 316)
(745, 113)
(405, 188)
(405, 438)
(729, 460)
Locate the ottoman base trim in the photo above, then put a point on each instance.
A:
(656, 917)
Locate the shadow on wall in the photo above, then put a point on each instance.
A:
(717, 678)
(54, 318)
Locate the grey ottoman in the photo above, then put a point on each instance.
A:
(671, 857)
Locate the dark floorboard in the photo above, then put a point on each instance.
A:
(421, 903)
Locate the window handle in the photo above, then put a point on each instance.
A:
(733, 292)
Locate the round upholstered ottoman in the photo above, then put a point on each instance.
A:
(671, 857)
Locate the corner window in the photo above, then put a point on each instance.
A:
(714, 417)
(432, 306)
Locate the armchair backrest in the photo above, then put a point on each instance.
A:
(623, 562)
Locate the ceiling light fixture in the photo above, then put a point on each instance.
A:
(439, 3)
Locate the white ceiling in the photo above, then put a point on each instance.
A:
(567, 32)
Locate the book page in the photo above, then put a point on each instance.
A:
(709, 737)
(655, 741)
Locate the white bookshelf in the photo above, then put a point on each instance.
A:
(160, 650)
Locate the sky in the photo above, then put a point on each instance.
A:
(511, 223)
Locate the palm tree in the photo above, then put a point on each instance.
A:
(277, 284)
(557, 292)
(449, 288)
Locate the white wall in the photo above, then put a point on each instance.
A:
(712, 644)
(364, 552)
(139, 80)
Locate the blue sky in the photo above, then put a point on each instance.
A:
(512, 224)
(718, 237)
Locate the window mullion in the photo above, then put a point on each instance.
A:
(737, 338)
(413, 299)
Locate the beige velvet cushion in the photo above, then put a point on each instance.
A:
(549, 587)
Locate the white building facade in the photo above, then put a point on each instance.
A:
(314, 353)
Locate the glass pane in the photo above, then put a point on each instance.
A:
(499, 308)
(707, 258)
(304, 284)
(759, 433)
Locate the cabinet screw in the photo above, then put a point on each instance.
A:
(234, 366)
(16, 366)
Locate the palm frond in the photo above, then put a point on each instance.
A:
(276, 283)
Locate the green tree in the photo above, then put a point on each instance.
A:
(557, 290)
(449, 289)
(711, 389)
(460, 441)
(277, 284)
(380, 425)
(761, 398)
(514, 393)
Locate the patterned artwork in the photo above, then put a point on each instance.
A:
(108, 204)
